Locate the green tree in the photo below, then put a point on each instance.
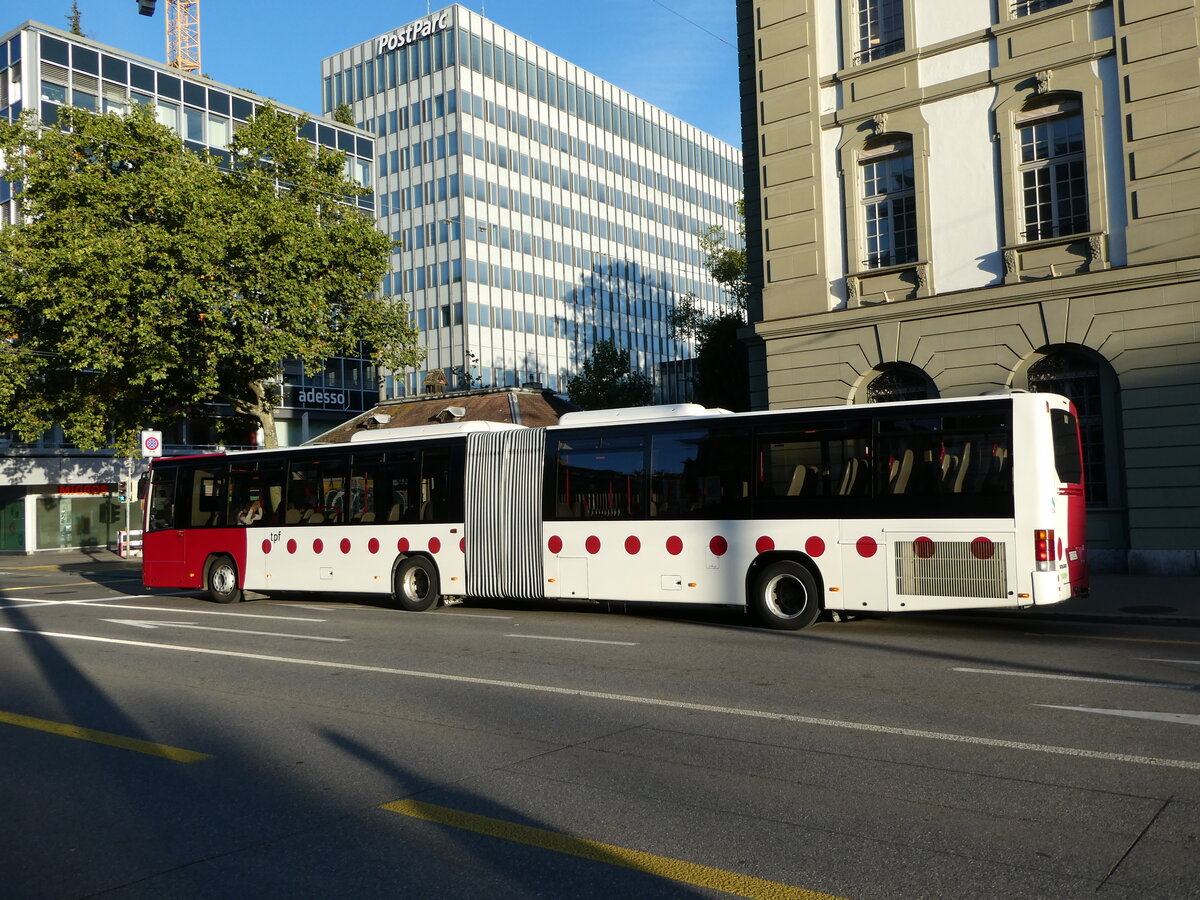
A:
(722, 374)
(607, 382)
(144, 279)
(74, 18)
(344, 114)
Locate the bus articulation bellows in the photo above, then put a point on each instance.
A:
(883, 508)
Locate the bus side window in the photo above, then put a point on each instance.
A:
(161, 510)
(441, 497)
(204, 489)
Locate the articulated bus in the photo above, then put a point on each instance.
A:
(882, 508)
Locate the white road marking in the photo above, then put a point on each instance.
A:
(463, 615)
(321, 608)
(1079, 753)
(167, 609)
(1180, 718)
(542, 637)
(142, 623)
(1050, 675)
(1186, 662)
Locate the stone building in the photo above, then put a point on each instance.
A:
(949, 197)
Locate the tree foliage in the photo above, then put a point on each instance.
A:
(344, 114)
(722, 373)
(607, 382)
(145, 279)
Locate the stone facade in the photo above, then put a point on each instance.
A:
(1036, 225)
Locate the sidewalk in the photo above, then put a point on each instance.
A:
(1130, 599)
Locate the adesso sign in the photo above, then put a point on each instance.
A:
(411, 33)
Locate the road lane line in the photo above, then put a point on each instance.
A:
(170, 610)
(543, 637)
(146, 623)
(866, 727)
(609, 854)
(104, 737)
(1054, 677)
(1097, 637)
(42, 587)
(1180, 718)
(1186, 662)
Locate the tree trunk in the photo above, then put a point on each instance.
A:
(263, 410)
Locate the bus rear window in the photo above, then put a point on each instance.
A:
(1068, 460)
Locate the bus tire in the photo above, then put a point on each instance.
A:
(785, 596)
(222, 580)
(416, 585)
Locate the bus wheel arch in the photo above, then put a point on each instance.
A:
(221, 579)
(784, 591)
(416, 583)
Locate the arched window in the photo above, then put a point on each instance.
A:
(900, 381)
(1078, 376)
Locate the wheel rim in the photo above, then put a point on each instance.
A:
(223, 580)
(786, 596)
(416, 585)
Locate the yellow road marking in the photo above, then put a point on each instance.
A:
(1096, 637)
(42, 587)
(103, 737)
(662, 866)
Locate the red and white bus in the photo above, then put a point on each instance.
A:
(883, 508)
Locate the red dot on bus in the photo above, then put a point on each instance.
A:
(593, 544)
(373, 545)
(318, 545)
(291, 546)
(345, 545)
(554, 545)
(866, 547)
(719, 546)
(764, 544)
(462, 545)
(402, 545)
(674, 545)
(924, 548)
(266, 546)
(434, 545)
(1060, 548)
(814, 546)
(632, 545)
(982, 548)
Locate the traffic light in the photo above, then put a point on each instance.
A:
(124, 491)
(146, 7)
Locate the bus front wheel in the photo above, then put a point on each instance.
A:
(416, 588)
(785, 596)
(222, 581)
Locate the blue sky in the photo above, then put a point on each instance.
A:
(275, 47)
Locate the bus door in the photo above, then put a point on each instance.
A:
(162, 538)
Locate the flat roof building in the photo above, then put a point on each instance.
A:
(51, 495)
(539, 208)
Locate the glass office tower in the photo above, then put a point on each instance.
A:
(537, 209)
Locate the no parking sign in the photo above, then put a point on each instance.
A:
(151, 443)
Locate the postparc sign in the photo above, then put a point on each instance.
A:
(412, 32)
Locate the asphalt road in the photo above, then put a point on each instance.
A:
(164, 746)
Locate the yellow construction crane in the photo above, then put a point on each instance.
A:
(183, 32)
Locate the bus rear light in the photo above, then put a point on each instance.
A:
(1043, 549)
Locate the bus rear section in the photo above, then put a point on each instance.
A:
(1058, 499)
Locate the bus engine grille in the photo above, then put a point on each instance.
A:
(951, 568)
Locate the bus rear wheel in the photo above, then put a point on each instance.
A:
(785, 596)
(416, 585)
(222, 580)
